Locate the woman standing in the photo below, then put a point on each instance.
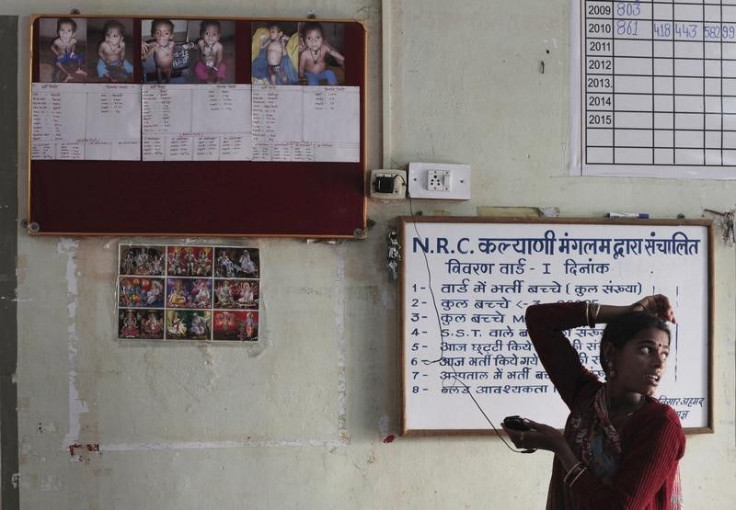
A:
(621, 447)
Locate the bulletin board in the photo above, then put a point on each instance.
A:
(242, 146)
(465, 286)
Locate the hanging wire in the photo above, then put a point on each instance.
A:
(466, 388)
(726, 221)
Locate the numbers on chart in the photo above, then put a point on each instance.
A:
(628, 9)
(719, 32)
(598, 101)
(596, 64)
(599, 46)
(599, 10)
(627, 27)
(599, 28)
(595, 83)
(663, 30)
(623, 9)
(686, 31)
(597, 119)
(678, 30)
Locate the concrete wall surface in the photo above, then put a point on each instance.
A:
(309, 417)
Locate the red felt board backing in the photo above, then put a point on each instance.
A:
(219, 198)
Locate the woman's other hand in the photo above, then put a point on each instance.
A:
(658, 305)
(538, 437)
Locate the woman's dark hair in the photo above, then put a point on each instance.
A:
(619, 331)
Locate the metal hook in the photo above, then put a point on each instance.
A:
(393, 256)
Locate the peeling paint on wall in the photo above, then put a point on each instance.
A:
(80, 452)
(342, 420)
(77, 406)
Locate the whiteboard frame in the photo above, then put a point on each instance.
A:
(406, 222)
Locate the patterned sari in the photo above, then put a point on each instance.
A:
(600, 445)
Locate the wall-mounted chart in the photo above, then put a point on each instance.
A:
(654, 88)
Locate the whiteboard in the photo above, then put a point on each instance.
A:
(465, 286)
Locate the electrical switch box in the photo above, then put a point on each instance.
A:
(388, 184)
(439, 181)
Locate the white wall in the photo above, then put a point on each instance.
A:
(300, 420)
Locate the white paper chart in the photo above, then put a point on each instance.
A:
(85, 121)
(656, 90)
(298, 123)
(196, 122)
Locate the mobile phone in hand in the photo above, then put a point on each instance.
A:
(515, 423)
(518, 423)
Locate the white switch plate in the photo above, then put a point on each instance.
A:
(439, 181)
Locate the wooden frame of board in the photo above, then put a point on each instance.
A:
(515, 261)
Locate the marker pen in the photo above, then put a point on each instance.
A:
(628, 215)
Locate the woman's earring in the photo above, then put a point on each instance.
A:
(611, 371)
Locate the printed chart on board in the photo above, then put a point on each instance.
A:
(654, 88)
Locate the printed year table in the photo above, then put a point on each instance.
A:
(658, 83)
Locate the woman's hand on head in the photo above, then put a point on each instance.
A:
(657, 305)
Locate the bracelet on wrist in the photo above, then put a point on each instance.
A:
(578, 475)
(573, 473)
(592, 311)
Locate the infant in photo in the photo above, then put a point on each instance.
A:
(162, 48)
(68, 61)
(112, 64)
(312, 64)
(209, 67)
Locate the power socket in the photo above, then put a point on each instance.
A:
(388, 184)
(439, 181)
